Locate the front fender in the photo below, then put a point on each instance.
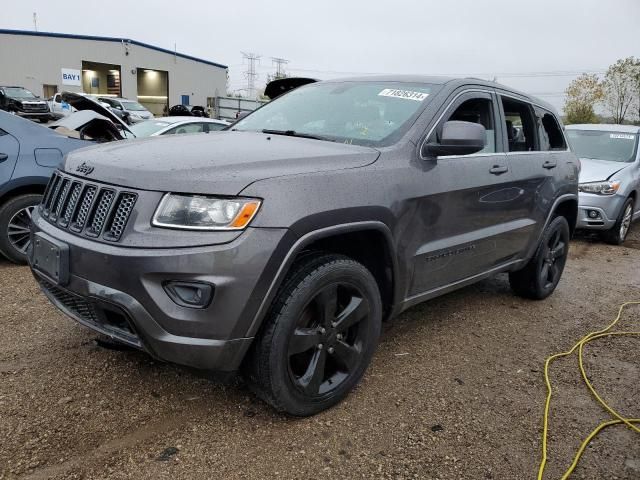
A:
(292, 244)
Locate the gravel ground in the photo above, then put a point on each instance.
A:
(455, 391)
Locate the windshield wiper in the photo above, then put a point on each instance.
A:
(293, 133)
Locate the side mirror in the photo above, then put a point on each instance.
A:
(458, 138)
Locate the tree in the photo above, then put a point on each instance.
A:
(636, 86)
(276, 76)
(582, 96)
(620, 87)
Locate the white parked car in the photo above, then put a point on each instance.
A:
(59, 108)
(177, 125)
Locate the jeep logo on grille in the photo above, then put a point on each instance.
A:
(84, 169)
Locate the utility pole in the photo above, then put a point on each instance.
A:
(35, 21)
(251, 74)
(279, 63)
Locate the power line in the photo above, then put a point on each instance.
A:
(251, 74)
(529, 74)
(279, 63)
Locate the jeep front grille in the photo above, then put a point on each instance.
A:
(87, 208)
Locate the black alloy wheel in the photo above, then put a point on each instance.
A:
(327, 345)
(553, 259)
(319, 335)
(540, 276)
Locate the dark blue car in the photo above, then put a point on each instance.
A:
(28, 155)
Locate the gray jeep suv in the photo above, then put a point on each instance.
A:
(278, 247)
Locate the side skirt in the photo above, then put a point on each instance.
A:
(436, 292)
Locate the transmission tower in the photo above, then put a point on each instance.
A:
(251, 74)
(279, 63)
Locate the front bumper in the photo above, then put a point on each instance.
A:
(118, 291)
(34, 115)
(607, 207)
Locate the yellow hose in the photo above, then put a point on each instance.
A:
(619, 419)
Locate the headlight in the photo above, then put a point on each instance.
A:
(600, 188)
(197, 212)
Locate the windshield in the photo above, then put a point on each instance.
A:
(148, 128)
(362, 113)
(133, 106)
(18, 92)
(603, 145)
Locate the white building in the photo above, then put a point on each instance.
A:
(46, 63)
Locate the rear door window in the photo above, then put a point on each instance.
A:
(520, 126)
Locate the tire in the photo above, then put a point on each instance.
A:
(16, 215)
(618, 233)
(539, 278)
(319, 336)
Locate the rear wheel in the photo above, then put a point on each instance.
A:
(15, 220)
(539, 278)
(319, 336)
(617, 234)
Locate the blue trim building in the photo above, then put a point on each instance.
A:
(47, 62)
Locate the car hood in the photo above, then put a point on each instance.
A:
(222, 163)
(594, 170)
(82, 103)
(77, 120)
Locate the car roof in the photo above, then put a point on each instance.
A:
(451, 82)
(610, 127)
(15, 125)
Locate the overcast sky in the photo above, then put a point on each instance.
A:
(527, 45)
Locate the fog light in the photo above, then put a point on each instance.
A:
(593, 214)
(189, 294)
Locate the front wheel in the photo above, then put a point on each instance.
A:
(15, 220)
(617, 234)
(540, 277)
(319, 336)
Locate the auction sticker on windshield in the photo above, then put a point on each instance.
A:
(406, 94)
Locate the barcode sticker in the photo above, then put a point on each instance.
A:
(622, 136)
(406, 94)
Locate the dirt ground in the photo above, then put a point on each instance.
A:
(455, 391)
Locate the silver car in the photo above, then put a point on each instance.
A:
(132, 110)
(609, 179)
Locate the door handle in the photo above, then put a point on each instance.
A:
(549, 164)
(499, 169)
(3, 157)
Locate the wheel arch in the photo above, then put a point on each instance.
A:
(23, 186)
(566, 206)
(368, 242)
